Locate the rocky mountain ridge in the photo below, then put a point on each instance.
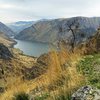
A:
(53, 30)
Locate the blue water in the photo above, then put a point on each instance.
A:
(32, 48)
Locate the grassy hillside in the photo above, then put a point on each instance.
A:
(11, 72)
(59, 81)
(89, 66)
(5, 40)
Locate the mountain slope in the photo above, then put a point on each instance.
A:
(49, 31)
(6, 30)
(6, 40)
(19, 26)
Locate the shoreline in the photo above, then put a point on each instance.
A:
(14, 43)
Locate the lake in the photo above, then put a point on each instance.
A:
(32, 48)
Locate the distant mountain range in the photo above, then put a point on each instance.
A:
(48, 30)
(20, 25)
(6, 30)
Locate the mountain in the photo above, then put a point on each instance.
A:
(6, 40)
(6, 30)
(20, 25)
(51, 30)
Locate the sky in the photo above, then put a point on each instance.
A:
(26, 10)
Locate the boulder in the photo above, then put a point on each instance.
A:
(5, 52)
(2, 89)
(86, 93)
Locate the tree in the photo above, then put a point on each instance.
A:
(73, 27)
(98, 39)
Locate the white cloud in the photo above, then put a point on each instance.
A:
(6, 6)
(14, 10)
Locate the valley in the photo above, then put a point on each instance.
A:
(31, 68)
(52, 31)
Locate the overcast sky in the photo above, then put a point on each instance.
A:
(17, 10)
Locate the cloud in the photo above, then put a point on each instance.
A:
(15, 10)
(5, 6)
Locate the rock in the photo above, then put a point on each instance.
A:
(44, 59)
(4, 52)
(86, 93)
(2, 89)
(93, 45)
(34, 72)
(39, 68)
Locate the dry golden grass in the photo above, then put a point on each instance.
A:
(5, 40)
(60, 78)
(13, 79)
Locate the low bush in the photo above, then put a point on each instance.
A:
(21, 96)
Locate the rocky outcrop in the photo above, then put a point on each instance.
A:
(86, 93)
(4, 52)
(2, 89)
(44, 59)
(92, 45)
(39, 68)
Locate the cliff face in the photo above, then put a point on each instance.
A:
(52, 30)
(4, 52)
(92, 45)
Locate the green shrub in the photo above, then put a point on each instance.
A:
(89, 67)
(21, 96)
